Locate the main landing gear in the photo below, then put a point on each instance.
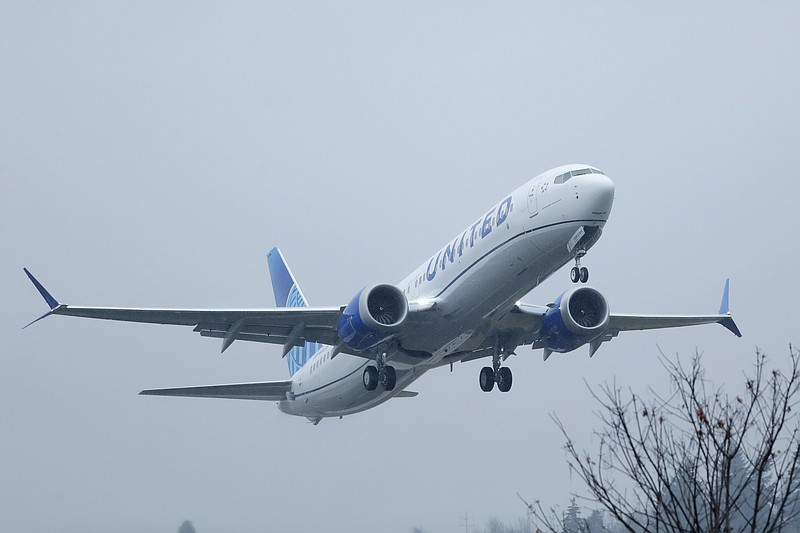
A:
(579, 273)
(495, 374)
(382, 373)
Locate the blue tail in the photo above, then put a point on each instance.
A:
(288, 294)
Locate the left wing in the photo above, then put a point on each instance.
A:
(288, 326)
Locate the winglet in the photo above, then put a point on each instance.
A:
(725, 306)
(52, 302)
(730, 325)
(725, 309)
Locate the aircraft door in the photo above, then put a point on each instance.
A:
(533, 204)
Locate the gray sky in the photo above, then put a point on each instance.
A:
(151, 154)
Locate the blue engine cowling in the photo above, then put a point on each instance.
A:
(372, 316)
(579, 316)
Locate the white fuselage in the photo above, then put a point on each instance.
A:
(470, 282)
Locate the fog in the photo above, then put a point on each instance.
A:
(152, 153)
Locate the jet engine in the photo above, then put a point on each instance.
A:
(372, 316)
(579, 316)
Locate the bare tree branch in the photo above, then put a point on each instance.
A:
(698, 459)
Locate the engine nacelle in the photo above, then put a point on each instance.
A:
(579, 316)
(372, 316)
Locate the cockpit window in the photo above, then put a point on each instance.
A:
(567, 175)
(562, 178)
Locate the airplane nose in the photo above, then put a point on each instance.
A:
(599, 193)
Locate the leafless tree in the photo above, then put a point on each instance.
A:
(698, 459)
(186, 527)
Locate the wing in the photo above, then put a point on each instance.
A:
(288, 326)
(522, 325)
(266, 390)
(617, 323)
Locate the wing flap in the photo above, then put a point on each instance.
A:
(264, 391)
(256, 330)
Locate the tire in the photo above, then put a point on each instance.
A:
(504, 379)
(486, 379)
(574, 275)
(584, 274)
(370, 378)
(388, 378)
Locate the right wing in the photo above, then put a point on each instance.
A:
(619, 322)
(288, 326)
(266, 390)
(522, 325)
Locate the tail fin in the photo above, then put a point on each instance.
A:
(287, 291)
(288, 294)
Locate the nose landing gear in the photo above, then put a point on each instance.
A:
(579, 273)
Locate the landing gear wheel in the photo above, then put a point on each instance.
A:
(370, 378)
(504, 379)
(584, 274)
(575, 274)
(387, 377)
(486, 379)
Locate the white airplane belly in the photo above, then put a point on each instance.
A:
(490, 279)
(341, 391)
(554, 240)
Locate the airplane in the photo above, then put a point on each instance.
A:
(460, 304)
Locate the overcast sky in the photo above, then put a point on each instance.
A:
(151, 153)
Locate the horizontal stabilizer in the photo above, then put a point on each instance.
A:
(266, 390)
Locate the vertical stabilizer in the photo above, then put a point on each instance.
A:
(287, 291)
(288, 294)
